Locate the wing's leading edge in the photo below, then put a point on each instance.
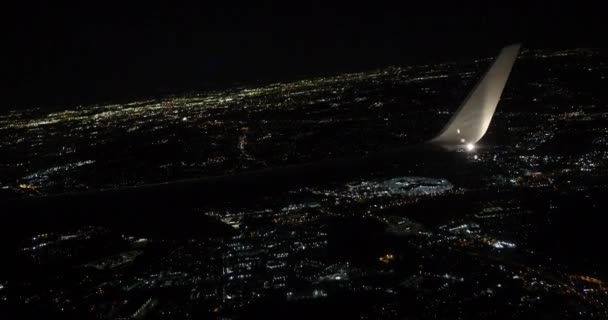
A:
(470, 122)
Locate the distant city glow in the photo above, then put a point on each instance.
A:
(387, 258)
(503, 244)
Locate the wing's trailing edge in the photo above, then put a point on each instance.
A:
(470, 122)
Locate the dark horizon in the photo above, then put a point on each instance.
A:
(82, 54)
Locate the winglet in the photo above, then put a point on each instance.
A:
(470, 122)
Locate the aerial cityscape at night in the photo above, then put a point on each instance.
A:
(304, 160)
(512, 232)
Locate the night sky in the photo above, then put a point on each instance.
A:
(66, 55)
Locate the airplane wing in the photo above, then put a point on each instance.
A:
(470, 122)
